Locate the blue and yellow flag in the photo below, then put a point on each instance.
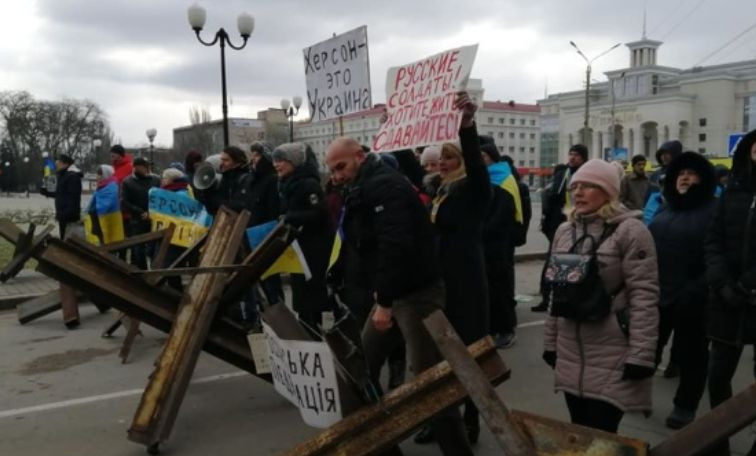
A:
(189, 215)
(501, 175)
(292, 260)
(338, 239)
(105, 205)
(49, 168)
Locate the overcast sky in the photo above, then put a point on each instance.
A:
(140, 61)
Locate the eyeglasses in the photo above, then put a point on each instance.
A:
(583, 186)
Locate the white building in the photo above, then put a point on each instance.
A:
(700, 106)
(514, 127)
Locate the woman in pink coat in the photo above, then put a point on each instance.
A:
(604, 367)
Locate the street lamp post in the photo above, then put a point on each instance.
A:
(151, 133)
(588, 83)
(291, 108)
(614, 119)
(245, 24)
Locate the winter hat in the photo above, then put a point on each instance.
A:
(172, 174)
(430, 153)
(190, 161)
(674, 148)
(141, 161)
(600, 173)
(389, 160)
(118, 149)
(581, 150)
(619, 169)
(106, 171)
(486, 139)
(294, 153)
(693, 161)
(65, 159)
(262, 149)
(178, 165)
(492, 152)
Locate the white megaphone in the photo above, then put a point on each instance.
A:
(207, 174)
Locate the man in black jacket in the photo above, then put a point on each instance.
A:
(135, 202)
(389, 229)
(556, 197)
(67, 193)
(233, 189)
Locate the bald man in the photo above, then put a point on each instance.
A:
(390, 230)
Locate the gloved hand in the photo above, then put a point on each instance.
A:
(636, 372)
(550, 358)
(733, 294)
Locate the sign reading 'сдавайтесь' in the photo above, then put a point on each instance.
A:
(420, 100)
(337, 71)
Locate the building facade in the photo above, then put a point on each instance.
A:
(645, 104)
(515, 128)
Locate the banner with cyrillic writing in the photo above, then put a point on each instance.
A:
(189, 215)
(420, 100)
(304, 373)
(337, 71)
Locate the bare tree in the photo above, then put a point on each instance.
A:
(199, 137)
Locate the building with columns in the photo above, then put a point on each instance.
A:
(645, 104)
(514, 127)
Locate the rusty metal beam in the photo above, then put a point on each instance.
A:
(135, 240)
(377, 427)
(555, 438)
(505, 430)
(712, 428)
(165, 391)
(40, 306)
(26, 245)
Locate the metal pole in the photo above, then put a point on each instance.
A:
(587, 90)
(223, 38)
(290, 114)
(152, 154)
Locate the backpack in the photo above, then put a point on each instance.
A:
(577, 291)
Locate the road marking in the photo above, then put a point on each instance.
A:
(105, 397)
(531, 323)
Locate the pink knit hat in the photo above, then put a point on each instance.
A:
(601, 173)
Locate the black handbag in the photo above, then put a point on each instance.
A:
(577, 291)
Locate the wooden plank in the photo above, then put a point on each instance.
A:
(185, 256)
(167, 385)
(40, 306)
(194, 270)
(505, 430)
(377, 427)
(134, 240)
(128, 341)
(555, 438)
(712, 428)
(159, 261)
(9, 231)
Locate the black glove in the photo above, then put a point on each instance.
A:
(550, 358)
(733, 295)
(636, 372)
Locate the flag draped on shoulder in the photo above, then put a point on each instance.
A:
(104, 222)
(292, 260)
(502, 176)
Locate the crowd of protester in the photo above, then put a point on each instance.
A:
(636, 260)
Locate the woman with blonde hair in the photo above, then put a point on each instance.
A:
(601, 339)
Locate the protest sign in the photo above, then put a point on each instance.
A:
(420, 100)
(304, 373)
(189, 216)
(337, 71)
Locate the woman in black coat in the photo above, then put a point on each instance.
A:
(303, 205)
(731, 273)
(679, 230)
(458, 212)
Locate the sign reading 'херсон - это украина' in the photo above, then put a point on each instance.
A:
(337, 71)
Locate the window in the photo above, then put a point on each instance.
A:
(531, 163)
(522, 121)
(532, 136)
(702, 150)
(532, 150)
(501, 134)
(501, 120)
(532, 122)
(522, 135)
(702, 122)
(501, 148)
(511, 135)
(522, 150)
(490, 120)
(511, 149)
(702, 137)
(521, 162)
(511, 121)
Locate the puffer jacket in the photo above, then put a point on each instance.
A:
(591, 355)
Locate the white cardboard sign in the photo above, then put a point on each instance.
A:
(337, 71)
(420, 100)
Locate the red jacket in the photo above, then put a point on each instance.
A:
(123, 168)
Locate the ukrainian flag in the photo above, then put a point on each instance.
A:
(106, 207)
(501, 175)
(291, 261)
(49, 168)
(338, 239)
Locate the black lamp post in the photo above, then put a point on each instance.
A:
(291, 108)
(245, 24)
(588, 83)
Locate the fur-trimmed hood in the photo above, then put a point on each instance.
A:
(696, 195)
